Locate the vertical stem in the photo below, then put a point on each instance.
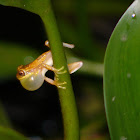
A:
(66, 96)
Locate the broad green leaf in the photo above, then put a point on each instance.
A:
(9, 134)
(122, 77)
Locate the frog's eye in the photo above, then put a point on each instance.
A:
(21, 73)
(33, 81)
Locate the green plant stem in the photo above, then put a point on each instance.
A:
(66, 96)
(67, 99)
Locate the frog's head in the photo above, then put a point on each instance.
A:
(30, 79)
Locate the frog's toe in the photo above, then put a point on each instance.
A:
(60, 85)
(60, 71)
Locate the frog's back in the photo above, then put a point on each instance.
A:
(46, 58)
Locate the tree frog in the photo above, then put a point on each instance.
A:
(32, 76)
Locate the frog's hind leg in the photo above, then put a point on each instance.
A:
(67, 45)
(74, 66)
(55, 83)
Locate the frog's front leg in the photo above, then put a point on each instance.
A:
(67, 45)
(51, 68)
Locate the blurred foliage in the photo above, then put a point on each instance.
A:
(11, 57)
(87, 24)
(9, 134)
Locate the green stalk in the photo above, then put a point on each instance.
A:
(66, 96)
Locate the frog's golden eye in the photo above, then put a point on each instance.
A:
(21, 73)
